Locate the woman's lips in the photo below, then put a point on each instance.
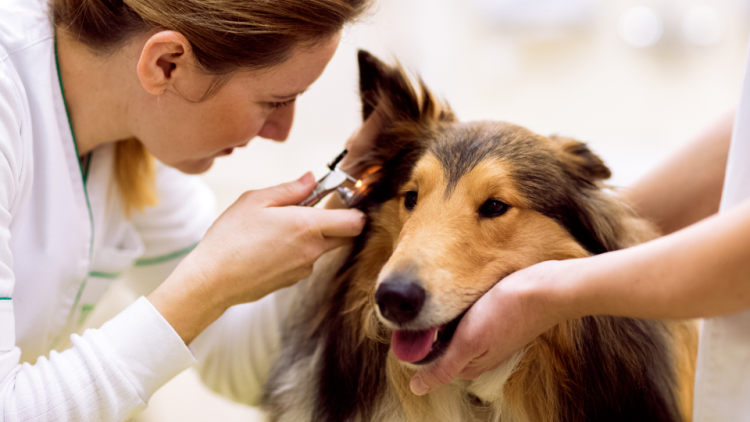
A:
(228, 151)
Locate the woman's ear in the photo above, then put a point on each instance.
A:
(165, 56)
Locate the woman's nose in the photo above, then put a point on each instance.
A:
(278, 124)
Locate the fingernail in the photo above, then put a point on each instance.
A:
(306, 178)
(418, 387)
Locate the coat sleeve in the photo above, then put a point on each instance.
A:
(235, 353)
(109, 373)
(171, 229)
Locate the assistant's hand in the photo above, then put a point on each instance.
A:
(258, 245)
(503, 321)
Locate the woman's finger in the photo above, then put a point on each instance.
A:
(336, 242)
(339, 223)
(290, 193)
(444, 370)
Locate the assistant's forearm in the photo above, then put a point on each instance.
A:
(701, 271)
(686, 187)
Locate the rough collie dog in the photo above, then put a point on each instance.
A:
(454, 208)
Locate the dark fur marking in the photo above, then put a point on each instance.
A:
(376, 78)
(352, 374)
(460, 155)
(621, 373)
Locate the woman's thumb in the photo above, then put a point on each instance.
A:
(440, 373)
(290, 193)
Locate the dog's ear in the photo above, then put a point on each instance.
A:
(582, 214)
(408, 117)
(389, 90)
(371, 72)
(579, 160)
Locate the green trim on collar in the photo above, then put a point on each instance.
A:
(5, 298)
(101, 274)
(84, 174)
(164, 258)
(85, 167)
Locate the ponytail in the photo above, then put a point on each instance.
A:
(135, 175)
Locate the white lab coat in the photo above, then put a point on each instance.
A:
(64, 240)
(722, 384)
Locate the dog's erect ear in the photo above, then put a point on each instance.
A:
(578, 159)
(388, 89)
(371, 72)
(408, 117)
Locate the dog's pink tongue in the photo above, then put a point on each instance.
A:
(412, 346)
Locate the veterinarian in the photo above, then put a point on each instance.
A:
(700, 268)
(90, 90)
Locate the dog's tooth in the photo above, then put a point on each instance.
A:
(435, 339)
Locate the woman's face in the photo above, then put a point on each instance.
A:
(189, 135)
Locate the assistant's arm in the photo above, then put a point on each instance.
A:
(686, 187)
(700, 271)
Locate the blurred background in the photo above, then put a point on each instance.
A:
(634, 78)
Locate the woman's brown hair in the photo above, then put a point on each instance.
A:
(226, 35)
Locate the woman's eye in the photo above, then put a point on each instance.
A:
(410, 200)
(280, 104)
(493, 208)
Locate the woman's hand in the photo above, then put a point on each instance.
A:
(503, 321)
(258, 245)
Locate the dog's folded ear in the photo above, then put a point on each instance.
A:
(579, 160)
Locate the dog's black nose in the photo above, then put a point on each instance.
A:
(400, 302)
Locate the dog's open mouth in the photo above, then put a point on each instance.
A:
(424, 346)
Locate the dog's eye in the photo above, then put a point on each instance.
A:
(493, 208)
(410, 201)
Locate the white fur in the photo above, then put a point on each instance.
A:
(489, 386)
(297, 387)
